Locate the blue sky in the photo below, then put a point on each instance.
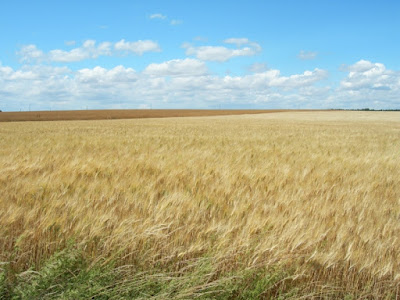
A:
(199, 54)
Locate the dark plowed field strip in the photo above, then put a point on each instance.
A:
(121, 114)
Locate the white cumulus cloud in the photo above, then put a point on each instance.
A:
(367, 75)
(177, 67)
(99, 75)
(30, 53)
(138, 47)
(368, 84)
(222, 53)
(174, 83)
(188, 82)
(89, 50)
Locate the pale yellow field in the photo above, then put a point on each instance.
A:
(317, 193)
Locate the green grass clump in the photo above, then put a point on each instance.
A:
(68, 274)
(65, 275)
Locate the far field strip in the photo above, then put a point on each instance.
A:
(108, 114)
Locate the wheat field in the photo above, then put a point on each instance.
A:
(313, 194)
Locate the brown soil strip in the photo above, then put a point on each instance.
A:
(122, 114)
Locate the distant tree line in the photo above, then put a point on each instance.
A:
(365, 109)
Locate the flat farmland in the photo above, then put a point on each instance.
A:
(290, 204)
(108, 114)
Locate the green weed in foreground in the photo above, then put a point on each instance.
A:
(68, 275)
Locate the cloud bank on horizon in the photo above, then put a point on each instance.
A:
(231, 71)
